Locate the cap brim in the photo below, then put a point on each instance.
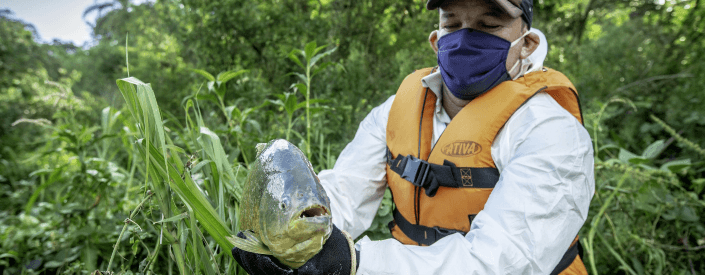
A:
(507, 5)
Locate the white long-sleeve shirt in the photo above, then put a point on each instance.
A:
(540, 202)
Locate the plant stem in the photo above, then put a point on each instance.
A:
(308, 111)
(288, 129)
(688, 144)
(596, 221)
(124, 227)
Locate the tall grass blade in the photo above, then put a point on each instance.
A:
(142, 105)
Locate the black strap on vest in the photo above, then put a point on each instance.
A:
(425, 235)
(430, 176)
(568, 258)
(421, 234)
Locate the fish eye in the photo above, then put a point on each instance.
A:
(282, 205)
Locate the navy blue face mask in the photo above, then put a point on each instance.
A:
(473, 62)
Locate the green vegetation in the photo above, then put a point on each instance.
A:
(136, 178)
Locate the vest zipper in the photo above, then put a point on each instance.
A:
(417, 190)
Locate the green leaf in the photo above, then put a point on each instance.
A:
(52, 264)
(9, 255)
(698, 185)
(293, 57)
(290, 106)
(207, 97)
(321, 68)
(319, 56)
(309, 51)
(226, 76)
(301, 76)
(204, 74)
(200, 165)
(676, 166)
(176, 149)
(234, 112)
(300, 87)
(653, 150)
(173, 218)
(55, 176)
(608, 146)
(629, 157)
(187, 190)
(639, 268)
(688, 214)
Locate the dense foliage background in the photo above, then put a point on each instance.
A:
(78, 194)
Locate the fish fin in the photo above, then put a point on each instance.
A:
(251, 244)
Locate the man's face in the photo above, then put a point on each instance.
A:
(486, 16)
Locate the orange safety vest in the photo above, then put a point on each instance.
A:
(466, 144)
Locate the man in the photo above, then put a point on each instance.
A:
(489, 165)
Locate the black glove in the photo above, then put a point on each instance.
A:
(334, 258)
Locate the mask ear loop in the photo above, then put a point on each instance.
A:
(524, 66)
(520, 38)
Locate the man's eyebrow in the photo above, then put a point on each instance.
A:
(447, 15)
(495, 12)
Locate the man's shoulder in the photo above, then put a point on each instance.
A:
(551, 77)
(418, 74)
(541, 108)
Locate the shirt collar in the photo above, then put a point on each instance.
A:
(434, 81)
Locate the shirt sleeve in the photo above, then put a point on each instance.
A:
(356, 184)
(533, 214)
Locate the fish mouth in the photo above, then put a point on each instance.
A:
(308, 229)
(313, 211)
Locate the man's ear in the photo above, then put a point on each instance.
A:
(531, 43)
(433, 40)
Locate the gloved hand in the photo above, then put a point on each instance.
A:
(337, 256)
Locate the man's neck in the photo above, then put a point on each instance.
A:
(452, 104)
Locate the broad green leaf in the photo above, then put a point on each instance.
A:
(676, 166)
(208, 97)
(653, 150)
(291, 103)
(309, 51)
(629, 157)
(688, 214)
(300, 87)
(204, 74)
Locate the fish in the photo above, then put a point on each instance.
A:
(284, 211)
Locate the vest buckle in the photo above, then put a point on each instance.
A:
(415, 171)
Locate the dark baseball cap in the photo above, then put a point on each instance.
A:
(515, 8)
